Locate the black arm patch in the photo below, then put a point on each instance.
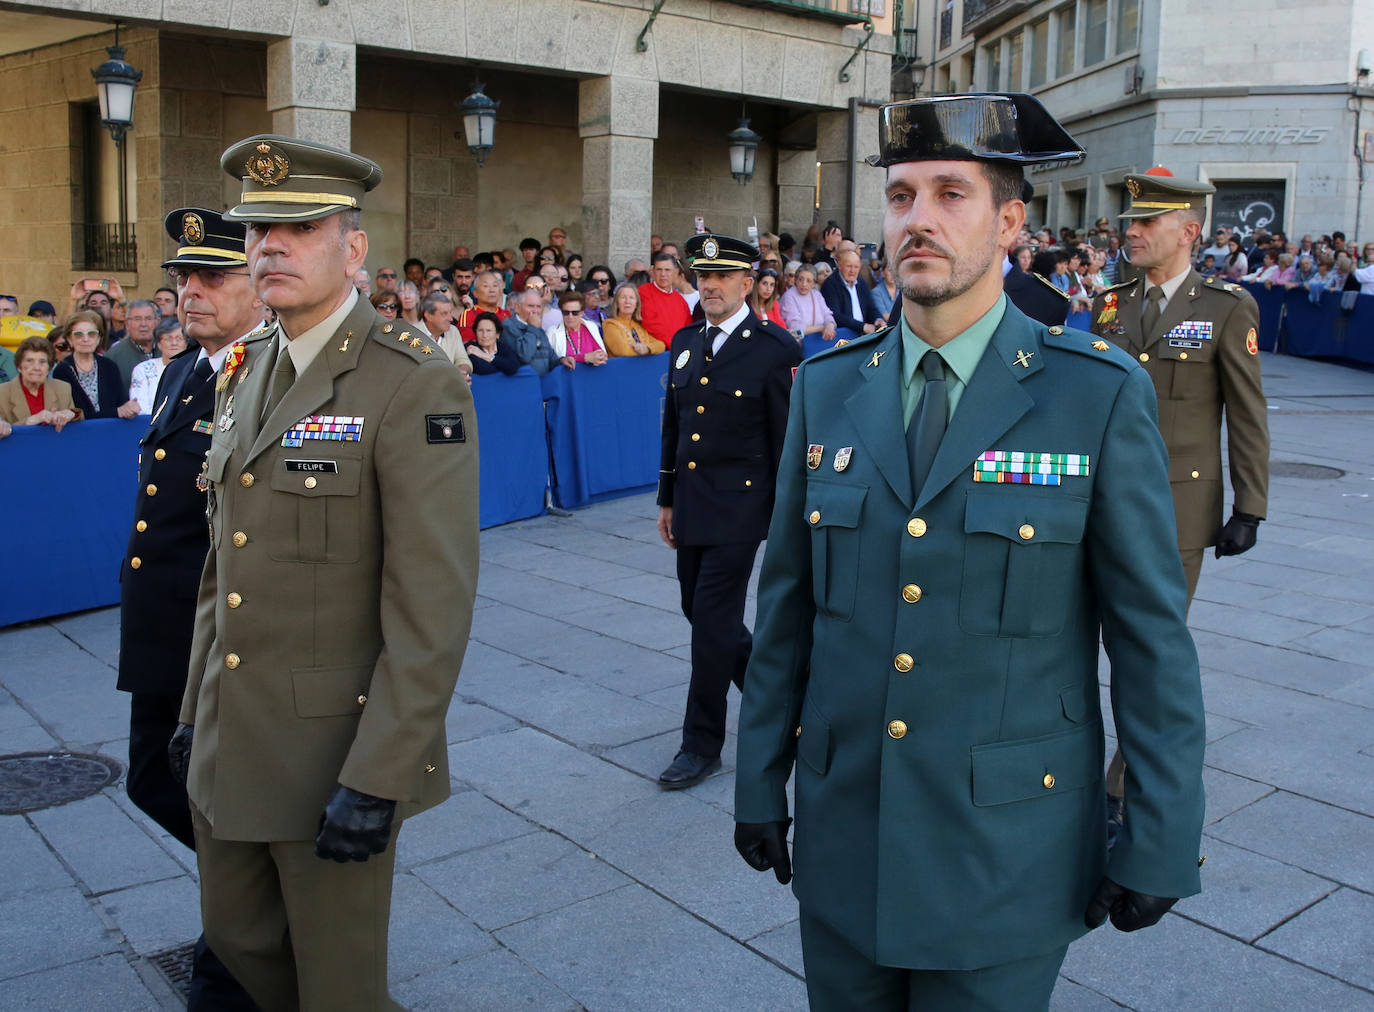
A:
(445, 429)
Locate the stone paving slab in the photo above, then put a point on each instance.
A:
(1335, 936)
(1322, 839)
(41, 930)
(34, 867)
(1181, 965)
(496, 981)
(631, 949)
(1246, 894)
(156, 916)
(527, 876)
(102, 846)
(107, 983)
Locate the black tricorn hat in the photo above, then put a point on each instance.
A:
(1011, 128)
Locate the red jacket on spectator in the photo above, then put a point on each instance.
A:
(664, 313)
(464, 320)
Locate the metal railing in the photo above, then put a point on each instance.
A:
(108, 247)
(846, 12)
(946, 27)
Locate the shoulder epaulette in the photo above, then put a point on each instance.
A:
(1049, 284)
(1116, 287)
(1230, 287)
(858, 342)
(414, 343)
(1083, 343)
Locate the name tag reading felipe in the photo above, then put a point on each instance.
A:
(445, 429)
(314, 466)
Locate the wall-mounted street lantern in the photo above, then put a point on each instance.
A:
(479, 121)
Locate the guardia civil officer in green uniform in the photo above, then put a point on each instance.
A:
(965, 503)
(1198, 340)
(342, 485)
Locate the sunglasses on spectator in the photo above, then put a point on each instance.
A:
(393, 306)
(387, 274)
(61, 346)
(604, 282)
(210, 277)
(572, 312)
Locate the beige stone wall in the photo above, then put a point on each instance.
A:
(194, 93)
(41, 171)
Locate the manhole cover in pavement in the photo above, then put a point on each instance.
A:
(175, 965)
(33, 780)
(1297, 469)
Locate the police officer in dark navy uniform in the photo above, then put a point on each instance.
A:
(723, 425)
(160, 576)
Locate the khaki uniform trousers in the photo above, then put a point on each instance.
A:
(1192, 569)
(301, 933)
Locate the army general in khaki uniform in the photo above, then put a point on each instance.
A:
(1198, 339)
(336, 601)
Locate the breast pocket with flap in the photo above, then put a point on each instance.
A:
(1022, 556)
(833, 512)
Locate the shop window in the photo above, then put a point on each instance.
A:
(994, 52)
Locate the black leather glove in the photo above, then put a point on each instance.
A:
(763, 845)
(179, 752)
(354, 826)
(1130, 910)
(1238, 536)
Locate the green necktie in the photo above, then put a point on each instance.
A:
(282, 378)
(927, 427)
(1150, 317)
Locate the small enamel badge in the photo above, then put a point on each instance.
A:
(842, 456)
(1252, 342)
(683, 359)
(814, 453)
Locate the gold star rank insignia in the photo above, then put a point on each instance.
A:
(1101, 345)
(415, 342)
(428, 350)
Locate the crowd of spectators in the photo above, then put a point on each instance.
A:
(542, 305)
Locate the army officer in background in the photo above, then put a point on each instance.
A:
(723, 424)
(930, 606)
(320, 670)
(1198, 338)
(162, 566)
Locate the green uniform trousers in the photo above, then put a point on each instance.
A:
(298, 931)
(839, 978)
(1192, 568)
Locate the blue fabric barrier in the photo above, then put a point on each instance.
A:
(514, 459)
(813, 343)
(604, 424)
(1292, 324)
(66, 507)
(1081, 320)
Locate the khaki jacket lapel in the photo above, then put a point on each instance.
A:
(315, 387)
(1180, 307)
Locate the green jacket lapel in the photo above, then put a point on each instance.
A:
(875, 408)
(992, 402)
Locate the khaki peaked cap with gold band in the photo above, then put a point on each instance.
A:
(289, 179)
(1159, 191)
(711, 252)
(204, 239)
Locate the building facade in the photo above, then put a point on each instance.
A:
(1271, 102)
(612, 120)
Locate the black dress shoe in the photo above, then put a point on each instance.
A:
(687, 770)
(1116, 819)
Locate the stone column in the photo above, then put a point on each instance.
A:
(832, 151)
(869, 182)
(312, 89)
(618, 122)
(796, 191)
